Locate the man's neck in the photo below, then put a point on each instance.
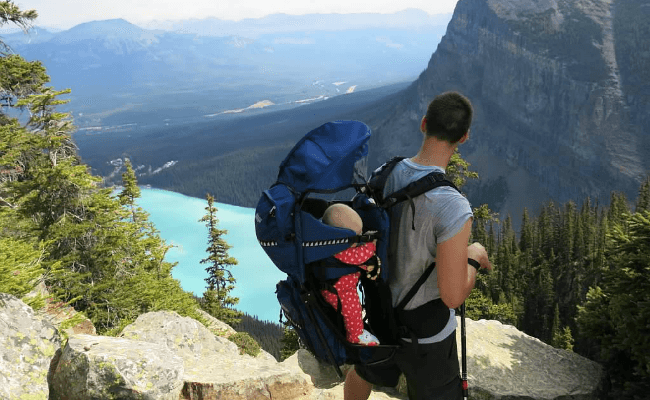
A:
(434, 153)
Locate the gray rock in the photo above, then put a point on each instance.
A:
(224, 330)
(27, 344)
(214, 369)
(186, 337)
(217, 327)
(100, 367)
(505, 363)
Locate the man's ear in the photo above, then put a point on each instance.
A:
(464, 138)
(423, 125)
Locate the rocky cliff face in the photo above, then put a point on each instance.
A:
(561, 91)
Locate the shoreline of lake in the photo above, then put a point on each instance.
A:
(176, 217)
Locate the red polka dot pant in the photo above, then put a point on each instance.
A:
(346, 287)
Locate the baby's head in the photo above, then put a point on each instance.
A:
(343, 216)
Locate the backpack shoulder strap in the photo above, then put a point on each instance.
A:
(416, 188)
(430, 181)
(413, 189)
(379, 177)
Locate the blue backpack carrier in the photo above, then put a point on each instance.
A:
(328, 165)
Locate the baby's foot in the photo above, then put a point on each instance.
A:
(368, 339)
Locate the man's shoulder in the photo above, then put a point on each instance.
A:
(446, 196)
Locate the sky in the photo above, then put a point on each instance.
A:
(64, 14)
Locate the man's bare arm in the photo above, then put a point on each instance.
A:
(456, 277)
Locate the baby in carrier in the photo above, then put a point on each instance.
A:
(360, 254)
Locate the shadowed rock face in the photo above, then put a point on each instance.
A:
(561, 91)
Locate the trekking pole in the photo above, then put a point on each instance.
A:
(463, 350)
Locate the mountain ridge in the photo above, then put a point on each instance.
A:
(112, 65)
(550, 108)
(286, 23)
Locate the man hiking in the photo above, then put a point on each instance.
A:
(434, 227)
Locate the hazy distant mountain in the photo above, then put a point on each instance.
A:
(411, 19)
(117, 69)
(36, 35)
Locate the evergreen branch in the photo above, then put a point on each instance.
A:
(6, 203)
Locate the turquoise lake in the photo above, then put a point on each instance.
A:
(176, 216)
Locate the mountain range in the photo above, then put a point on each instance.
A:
(411, 19)
(121, 73)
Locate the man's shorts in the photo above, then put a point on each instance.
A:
(431, 370)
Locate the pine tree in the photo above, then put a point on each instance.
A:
(290, 343)
(617, 208)
(482, 217)
(20, 269)
(616, 314)
(131, 191)
(561, 337)
(458, 170)
(567, 232)
(643, 200)
(220, 280)
(526, 240)
(9, 12)
(491, 240)
(545, 228)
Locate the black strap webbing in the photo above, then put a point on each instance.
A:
(366, 237)
(415, 287)
(379, 178)
(414, 189)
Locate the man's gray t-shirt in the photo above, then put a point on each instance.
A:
(439, 215)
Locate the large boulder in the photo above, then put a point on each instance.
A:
(213, 366)
(224, 330)
(27, 344)
(100, 367)
(505, 363)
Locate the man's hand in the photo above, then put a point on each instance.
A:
(478, 253)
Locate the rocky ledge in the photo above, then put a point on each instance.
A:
(163, 355)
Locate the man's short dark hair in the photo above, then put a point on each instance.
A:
(449, 116)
